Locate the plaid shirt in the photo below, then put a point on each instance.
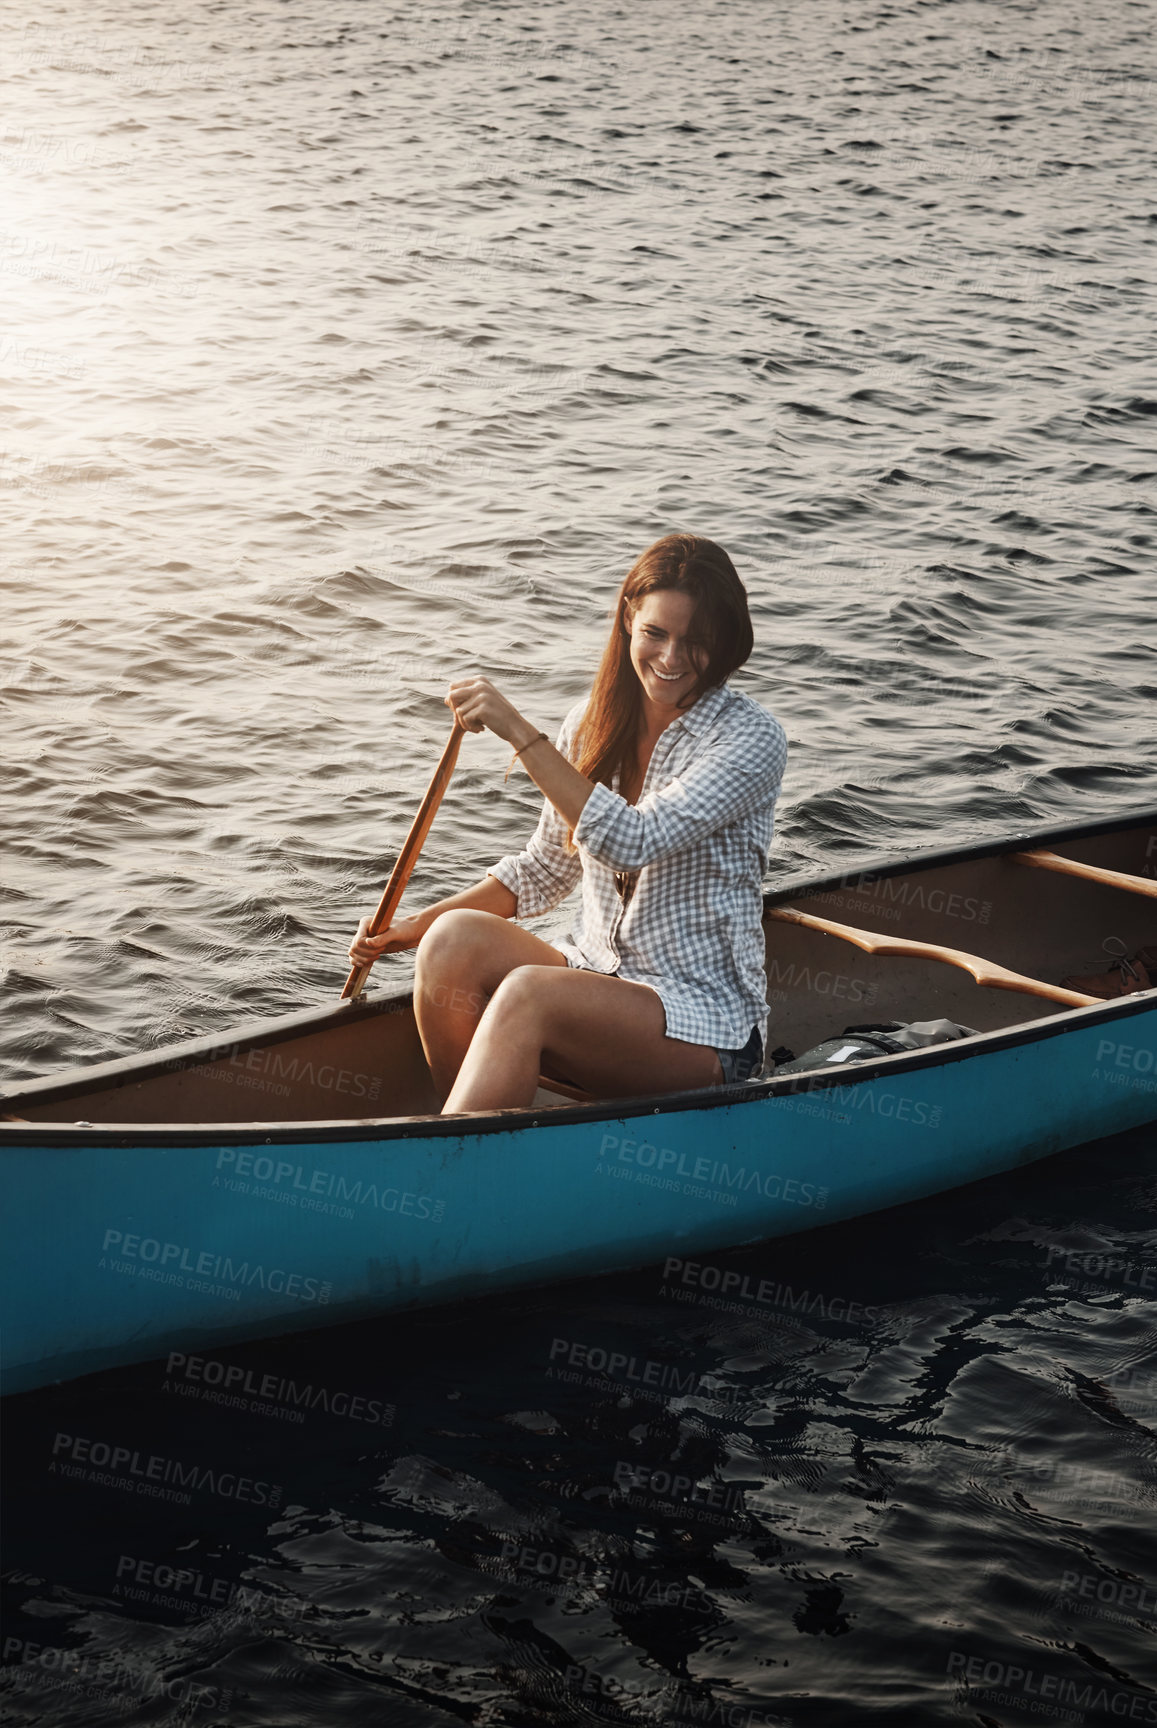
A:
(698, 838)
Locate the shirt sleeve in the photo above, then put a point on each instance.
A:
(734, 775)
(545, 871)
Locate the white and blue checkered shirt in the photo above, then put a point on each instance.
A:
(699, 838)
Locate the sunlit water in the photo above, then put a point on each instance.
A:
(343, 353)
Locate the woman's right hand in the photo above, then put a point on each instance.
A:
(402, 933)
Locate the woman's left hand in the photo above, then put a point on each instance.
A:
(481, 707)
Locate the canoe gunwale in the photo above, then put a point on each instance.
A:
(609, 1110)
(939, 856)
(77, 1082)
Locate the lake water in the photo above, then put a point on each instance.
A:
(345, 352)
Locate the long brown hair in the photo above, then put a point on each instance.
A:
(721, 624)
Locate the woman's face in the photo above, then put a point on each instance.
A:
(667, 660)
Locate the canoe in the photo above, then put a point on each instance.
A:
(292, 1174)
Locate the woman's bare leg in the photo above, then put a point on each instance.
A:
(462, 959)
(605, 1034)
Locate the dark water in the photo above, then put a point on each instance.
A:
(346, 351)
(897, 1448)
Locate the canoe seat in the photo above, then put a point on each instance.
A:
(567, 1088)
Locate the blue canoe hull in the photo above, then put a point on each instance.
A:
(125, 1253)
(128, 1237)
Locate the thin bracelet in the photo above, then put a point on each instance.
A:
(519, 751)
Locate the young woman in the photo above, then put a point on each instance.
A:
(659, 797)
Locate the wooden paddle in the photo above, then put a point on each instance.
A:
(984, 971)
(408, 856)
(1090, 872)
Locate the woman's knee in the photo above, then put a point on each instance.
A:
(456, 938)
(525, 989)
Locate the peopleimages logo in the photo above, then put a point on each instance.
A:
(901, 890)
(211, 1274)
(619, 1368)
(725, 1179)
(676, 1706)
(1138, 1062)
(152, 1474)
(824, 983)
(1136, 1599)
(1113, 1268)
(107, 1676)
(732, 1284)
(246, 1390)
(280, 1071)
(685, 1492)
(1079, 1484)
(289, 1181)
(1009, 1679)
(546, 1569)
(184, 1587)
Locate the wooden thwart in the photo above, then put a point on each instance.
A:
(1090, 872)
(565, 1089)
(984, 971)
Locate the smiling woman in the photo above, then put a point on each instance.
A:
(659, 800)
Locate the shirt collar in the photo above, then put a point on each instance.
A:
(703, 712)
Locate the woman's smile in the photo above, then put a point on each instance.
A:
(666, 658)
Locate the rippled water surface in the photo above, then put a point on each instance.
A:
(345, 351)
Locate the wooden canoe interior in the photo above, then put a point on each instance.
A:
(1033, 921)
(369, 1067)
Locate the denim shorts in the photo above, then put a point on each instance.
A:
(742, 1064)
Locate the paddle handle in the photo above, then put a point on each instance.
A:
(1090, 872)
(984, 971)
(408, 856)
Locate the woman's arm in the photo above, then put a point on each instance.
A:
(554, 871)
(481, 707)
(730, 778)
(489, 895)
